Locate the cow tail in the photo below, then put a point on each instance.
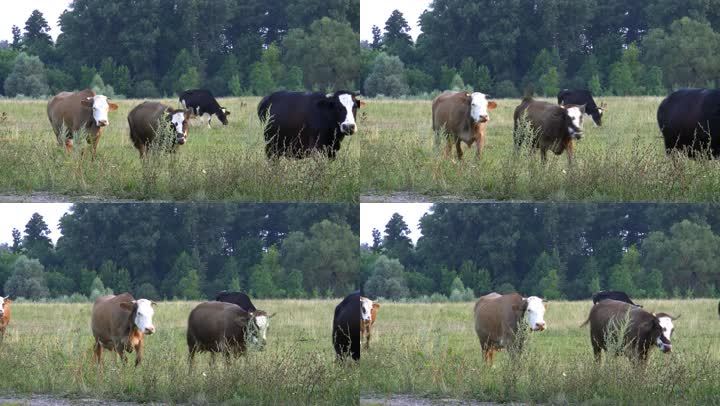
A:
(585, 322)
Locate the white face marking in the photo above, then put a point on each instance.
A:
(262, 323)
(576, 116)
(100, 109)
(177, 122)
(479, 107)
(144, 315)
(667, 326)
(2, 305)
(535, 313)
(347, 101)
(366, 308)
(601, 111)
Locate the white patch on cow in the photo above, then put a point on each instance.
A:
(347, 101)
(479, 107)
(2, 305)
(535, 313)
(576, 115)
(366, 308)
(667, 327)
(144, 316)
(177, 122)
(262, 322)
(100, 110)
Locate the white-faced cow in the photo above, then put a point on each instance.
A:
(120, 323)
(463, 117)
(79, 113)
(690, 123)
(549, 127)
(4, 315)
(298, 124)
(346, 327)
(641, 330)
(581, 97)
(204, 105)
(368, 310)
(498, 319)
(150, 119)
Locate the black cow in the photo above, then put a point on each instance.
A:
(614, 295)
(202, 103)
(582, 97)
(346, 327)
(237, 298)
(689, 120)
(296, 124)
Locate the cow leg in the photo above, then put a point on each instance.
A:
(458, 147)
(97, 352)
(543, 155)
(448, 147)
(68, 145)
(95, 142)
(480, 144)
(570, 147)
(138, 353)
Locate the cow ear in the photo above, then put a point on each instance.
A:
(127, 306)
(582, 108)
(376, 305)
(113, 106)
(492, 105)
(188, 113)
(227, 112)
(676, 317)
(87, 102)
(152, 302)
(361, 103)
(8, 301)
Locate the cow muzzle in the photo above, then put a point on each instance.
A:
(348, 129)
(181, 139)
(102, 123)
(665, 347)
(539, 327)
(150, 330)
(483, 119)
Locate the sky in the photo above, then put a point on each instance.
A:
(17, 12)
(376, 215)
(376, 12)
(16, 215)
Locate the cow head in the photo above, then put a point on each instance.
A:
(180, 121)
(573, 120)
(597, 117)
(259, 324)
(665, 328)
(4, 303)
(100, 109)
(480, 107)
(366, 307)
(535, 313)
(222, 115)
(343, 106)
(141, 314)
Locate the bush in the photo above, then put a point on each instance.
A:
(28, 77)
(146, 89)
(506, 90)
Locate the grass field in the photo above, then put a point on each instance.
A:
(222, 163)
(431, 351)
(624, 160)
(48, 350)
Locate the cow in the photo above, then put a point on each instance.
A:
(220, 327)
(4, 315)
(612, 294)
(78, 113)
(203, 104)
(463, 117)
(119, 323)
(238, 298)
(581, 97)
(642, 329)
(690, 123)
(346, 327)
(369, 311)
(298, 124)
(498, 318)
(552, 127)
(150, 119)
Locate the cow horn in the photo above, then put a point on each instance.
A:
(676, 317)
(271, 316)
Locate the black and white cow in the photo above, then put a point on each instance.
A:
(203, 104)
(297, 124)
(583, 97)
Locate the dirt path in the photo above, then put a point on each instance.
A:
(409, 400)
(414, 197)
(46, 197)
(49, 400)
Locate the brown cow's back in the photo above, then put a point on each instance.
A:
(110, 322)
(546, 120)
(212, 324)
(143, 121)
(451, 112)
(497, 317)
(66, 109)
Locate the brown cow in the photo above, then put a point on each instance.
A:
(498, 317)
(553, 127)
(463, 117)
(642, 329)
(71, 113)
(149, 119)
(226, 328)
(119, 323)
(4, 315)
(368, 310)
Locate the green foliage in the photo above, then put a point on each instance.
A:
(387, 280)
(27, 280)
(146, 291)
(28, 77)
(59, 81)
(388, 77)
(146, 89)
(550, 82)
(457, 84)
(189, 286)
(261, 79)
(506, 89)
(99, 87)
(7, 61)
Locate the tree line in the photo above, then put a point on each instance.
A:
(162, 47)
(188, 251)
(612, 47)
(558, 251)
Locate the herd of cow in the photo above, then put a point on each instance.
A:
(688, 119)
(296, 124)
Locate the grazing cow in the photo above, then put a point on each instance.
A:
(4, 315)
(553, 127)
(463, 117)
(149, 119)
(203, 103)
(225, 328)
(583, 98)
(238, 298)
(119, 323)
(689, 122)
(368, 315)
(73, 113)
(498, 317)
(297, 124)
(642, 329)
(346, 327)
(614, 295)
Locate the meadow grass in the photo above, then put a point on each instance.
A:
(432, 351)
(624, 160)
(222, 163)
(48, 350)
